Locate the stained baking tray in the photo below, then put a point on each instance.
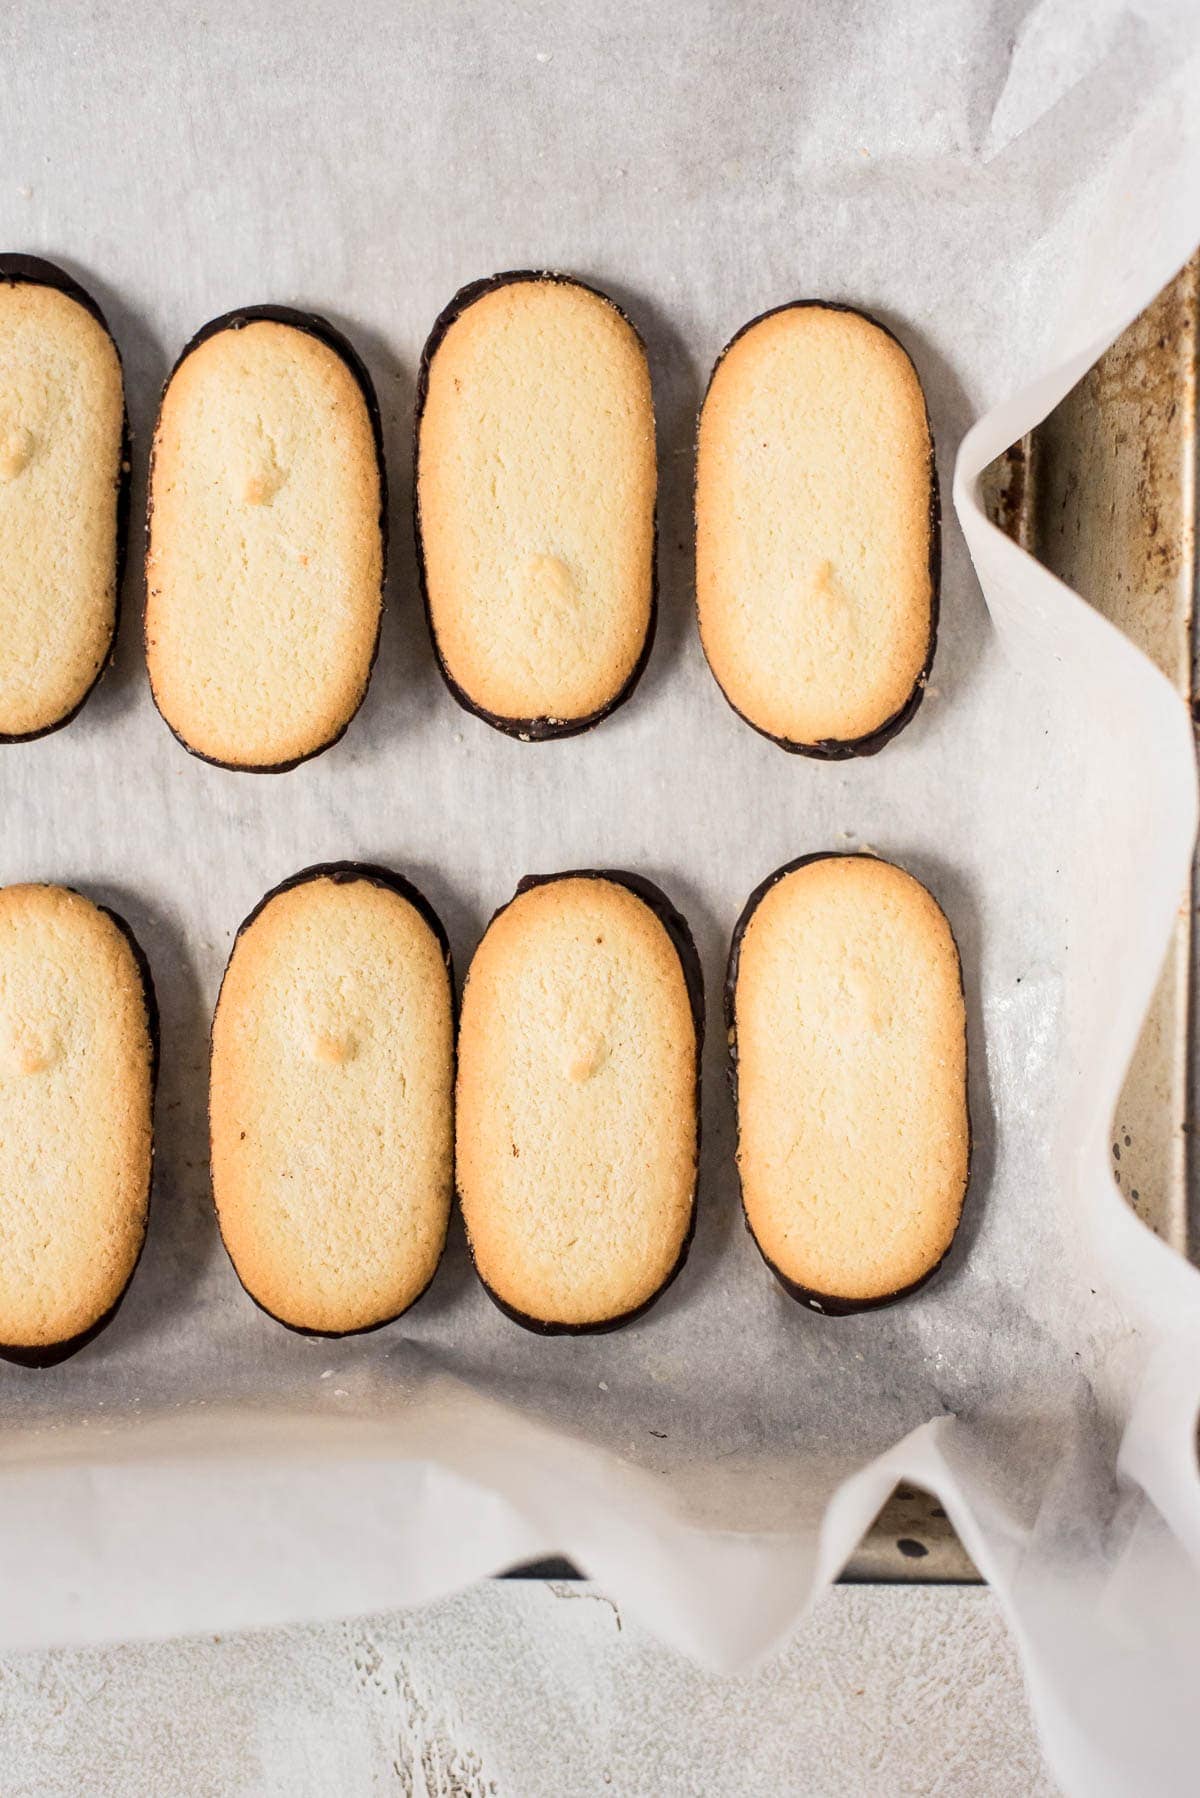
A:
(1104, 494)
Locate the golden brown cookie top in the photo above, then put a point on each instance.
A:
(576, 1150)
(536, 482)
(330, 1104)
(265, 561)
(813, 526)
(76, 1088)
(850, 1037)
(62, 412)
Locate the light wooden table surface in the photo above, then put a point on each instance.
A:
(525, 1690)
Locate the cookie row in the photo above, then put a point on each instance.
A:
(816, 515)
(344, 1105)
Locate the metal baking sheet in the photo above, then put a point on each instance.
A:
(1104, 494)
(199, 1468)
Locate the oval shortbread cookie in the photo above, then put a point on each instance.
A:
(78, 1051)
(331, 1099)
(265, 550)
(578, 1130)
(848, 1030)
(63, 491)
(817, 541)
(535, 498)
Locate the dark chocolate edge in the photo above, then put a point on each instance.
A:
(683, 943)
(35, 271)
(527, 730)
(344, 874)
(826, 1303)
(339, 343)
(835, 749)
(54, 1353)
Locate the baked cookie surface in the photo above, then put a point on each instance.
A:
(62, 473)
(577, 1116)
(817, 541)
(848, 1028)
(265, 552)
(535, 497)
(77, 1066)
(331, 1099)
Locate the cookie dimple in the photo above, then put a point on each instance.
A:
(16, 452)
(868, 1008)
(545, 583)
(27, 1048)
(586, 1054)
(261, 483)
(336, 1047)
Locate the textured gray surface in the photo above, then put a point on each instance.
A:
(532, 1691)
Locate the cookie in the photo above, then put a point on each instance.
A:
(817, 540)
(577, 1114)
(331, 1099)
(64, 466)
(535, 502)
(78, 1055)
(847, 1026)
(265, 549)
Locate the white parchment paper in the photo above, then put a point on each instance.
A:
(1006, 186)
